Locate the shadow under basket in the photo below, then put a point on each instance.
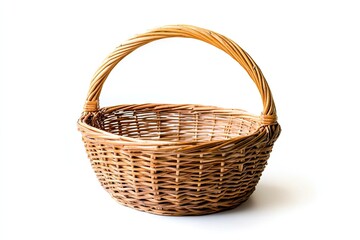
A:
(173, 159)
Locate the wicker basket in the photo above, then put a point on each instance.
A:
(178, 159)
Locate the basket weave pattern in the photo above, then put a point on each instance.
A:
(172, 159)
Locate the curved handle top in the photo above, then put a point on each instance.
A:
(186, 31)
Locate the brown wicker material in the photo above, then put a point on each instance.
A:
(172, 159)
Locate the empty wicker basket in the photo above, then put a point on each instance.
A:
(178, 159)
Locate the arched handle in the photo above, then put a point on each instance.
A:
(236, 52)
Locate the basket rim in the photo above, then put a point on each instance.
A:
(188, 144)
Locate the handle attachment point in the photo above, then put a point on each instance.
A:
(268, 119)
(91, 106)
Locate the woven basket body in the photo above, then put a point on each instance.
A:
(178, 159)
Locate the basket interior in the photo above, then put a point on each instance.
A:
(197, 123)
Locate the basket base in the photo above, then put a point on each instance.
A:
(205, 209)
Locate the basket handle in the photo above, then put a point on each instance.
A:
(236, 52)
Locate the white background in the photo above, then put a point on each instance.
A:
(308, 50)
